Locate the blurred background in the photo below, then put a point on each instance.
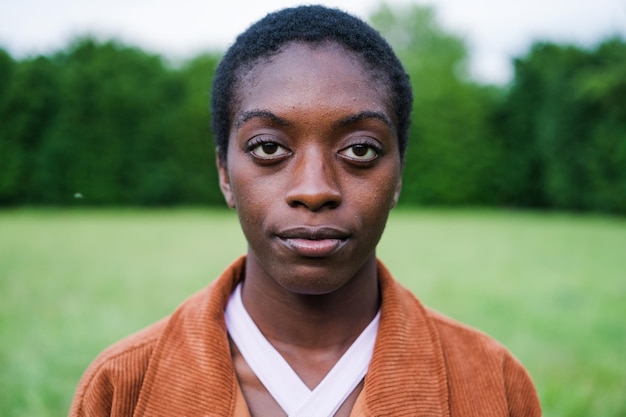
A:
(517, 104)
(514, 187)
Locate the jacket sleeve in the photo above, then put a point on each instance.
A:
(522, 397)
(111, 385)
(94, 395)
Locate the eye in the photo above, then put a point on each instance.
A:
(360, 152)
(267, 150)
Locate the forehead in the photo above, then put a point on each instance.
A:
(315, 74)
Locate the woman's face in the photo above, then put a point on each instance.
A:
(313, 166)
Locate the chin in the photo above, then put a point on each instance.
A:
(312, 283)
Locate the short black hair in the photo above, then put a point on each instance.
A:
(313, 25)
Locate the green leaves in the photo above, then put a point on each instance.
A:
(452, 152)
(110, 122)
(564, 127)
(123, 127)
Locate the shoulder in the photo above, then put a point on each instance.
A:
(117, 372)
(116, 380)
(475, 375)
(463, 346)
(471, 355)
(454, 334)
(467, 351)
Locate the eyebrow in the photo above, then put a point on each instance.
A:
(355, 118)
(261, 114)
(346, 121)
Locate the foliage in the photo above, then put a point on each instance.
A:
(30, 103)
(452, 153)
(563, 127)
(102, 123)
(106, 124)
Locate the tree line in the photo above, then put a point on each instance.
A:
(101, 123)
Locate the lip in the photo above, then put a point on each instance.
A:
(313, 242)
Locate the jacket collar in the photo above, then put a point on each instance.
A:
(407, 374)
(191, 371)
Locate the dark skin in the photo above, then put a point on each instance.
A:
(313, 169)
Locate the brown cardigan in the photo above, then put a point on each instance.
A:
(423, 365)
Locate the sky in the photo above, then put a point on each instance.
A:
(495, 31)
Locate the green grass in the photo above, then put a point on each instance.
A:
(550, 287)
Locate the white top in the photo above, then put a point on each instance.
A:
(282, 382)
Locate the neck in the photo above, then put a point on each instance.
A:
(329, 321)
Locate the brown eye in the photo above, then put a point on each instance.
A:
(360, 153)
(360, 150)
(268, 150)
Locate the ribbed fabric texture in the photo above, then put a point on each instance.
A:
(423, 365)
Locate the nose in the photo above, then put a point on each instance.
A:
(313, 183)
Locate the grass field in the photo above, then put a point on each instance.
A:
(550, 287)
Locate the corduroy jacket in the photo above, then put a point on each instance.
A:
(424, 364)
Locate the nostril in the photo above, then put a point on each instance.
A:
(313, 183)
(332, 204)
(315, 201)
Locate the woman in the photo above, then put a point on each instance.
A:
(310, 114)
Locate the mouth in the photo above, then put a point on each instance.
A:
(313, 242)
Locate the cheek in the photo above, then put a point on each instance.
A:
(253, 197)
(371, 209)
(377, 194)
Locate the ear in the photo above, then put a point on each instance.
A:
(222, 172)
(396, 194)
